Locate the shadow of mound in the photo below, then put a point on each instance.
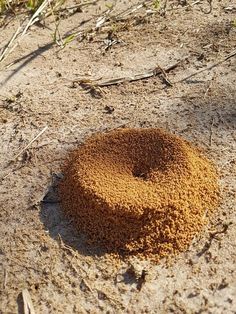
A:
(61, 227)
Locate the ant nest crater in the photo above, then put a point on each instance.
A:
(139, 191)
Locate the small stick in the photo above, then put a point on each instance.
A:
(152, 72)
(5, 279)
(66, 247)
(86, 284)
(211, 131)
(30, 143)
(209, 86)
(227, 57)
(141, 280)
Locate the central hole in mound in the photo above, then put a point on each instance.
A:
(140, 174)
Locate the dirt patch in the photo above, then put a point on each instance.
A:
(40, 250)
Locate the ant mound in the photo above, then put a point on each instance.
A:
(139, 191)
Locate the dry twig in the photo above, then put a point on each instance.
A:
(141, 280)
(213, 236)
(140, 76)
(227, 57)
(5, 278)
(30, 143)
(22, 151)
(211, 131)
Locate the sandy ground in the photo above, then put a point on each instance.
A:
(39, 248)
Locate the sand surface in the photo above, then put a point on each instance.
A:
(40, 88)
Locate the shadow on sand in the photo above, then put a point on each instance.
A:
(61, 227)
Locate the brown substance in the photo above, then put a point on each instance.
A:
(139, 191)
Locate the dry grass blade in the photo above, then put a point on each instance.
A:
(80, 5)
(27, 302)
(107, 18)
(133, 9)
(8, 46)
(21, 31)
(103, 20)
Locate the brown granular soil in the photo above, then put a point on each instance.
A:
(139, 191)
